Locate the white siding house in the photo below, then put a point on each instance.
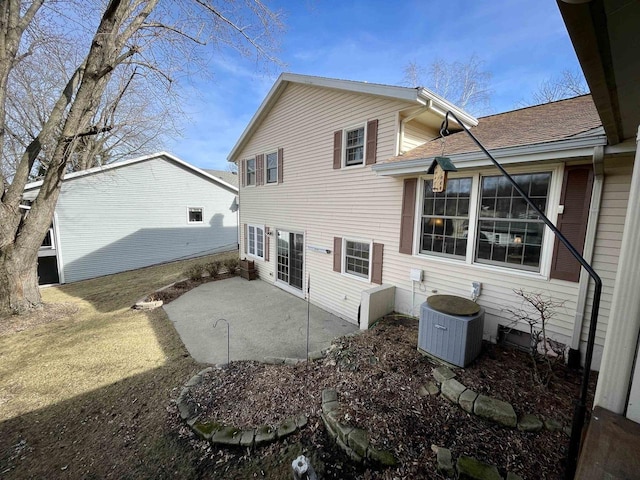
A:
(333, 189)
(136, 213)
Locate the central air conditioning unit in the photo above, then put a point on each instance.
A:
(451, 329)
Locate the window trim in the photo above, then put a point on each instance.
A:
(546, 254)
(189, 221)
(255, 172)
(266, 168)
(248, 252)
(344, 258)
(358, 126)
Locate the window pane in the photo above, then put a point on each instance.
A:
(354, 151)
(259, 242)
(357, 258)
(272, 167)
(445, 220)
(251, 172)
(515, 237)
(195, 215)
(252, 243)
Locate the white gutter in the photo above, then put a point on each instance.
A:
(589, 243)
(572, 147)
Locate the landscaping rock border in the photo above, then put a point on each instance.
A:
(483, 406)
(228, 435)
(144, 304)
(353, 441)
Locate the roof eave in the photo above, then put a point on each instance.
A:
(440, 106)
(124, 163)
(567, 148)
(412, 95)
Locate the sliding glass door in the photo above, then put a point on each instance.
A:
(290, 250)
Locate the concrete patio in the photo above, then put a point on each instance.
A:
(265, 321)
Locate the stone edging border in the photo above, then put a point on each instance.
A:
(353, 441)
(483, 406)
(229, 435)
(142, 304)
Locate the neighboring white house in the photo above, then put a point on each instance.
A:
(133, 214)
(333, 188)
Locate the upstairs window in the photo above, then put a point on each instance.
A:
(251, 171)
(272, 167)
(354, 147)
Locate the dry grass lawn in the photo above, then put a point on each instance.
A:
(89, 370)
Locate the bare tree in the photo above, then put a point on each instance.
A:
(537, 311)
(156, 37)
(570, 83)
(464, 83)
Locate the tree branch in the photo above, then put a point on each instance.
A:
(174, 30)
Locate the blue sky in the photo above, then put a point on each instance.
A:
(521, 42)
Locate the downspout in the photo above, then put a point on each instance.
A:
(408, 119)
(589, 244)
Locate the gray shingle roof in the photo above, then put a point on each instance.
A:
(527, 126)
(229, 177)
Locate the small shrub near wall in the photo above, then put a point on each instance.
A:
(231, 265)
(195, 272)
(213, 268)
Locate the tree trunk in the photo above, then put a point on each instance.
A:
(19, 289)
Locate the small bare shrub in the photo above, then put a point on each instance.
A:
(195, 272)
(213, 268)
(536, 311)
(231, 265)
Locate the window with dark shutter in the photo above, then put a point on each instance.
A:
(241, 170)
(260, 169)
(372, 142)
(337, 254)
(376, 262)
(280, 162)
(337, 149)
(267, 232)
(572, 223)
(407, 215)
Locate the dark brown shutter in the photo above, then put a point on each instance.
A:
(241, 171)
(372, 142)
(337, 254)
(376, 262)
(576, 198)
(246, 234)
(260, 169)
(280, 162)
(407, 215)
(266, 243)
(337, 149)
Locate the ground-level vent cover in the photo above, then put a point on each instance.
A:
(454, 338)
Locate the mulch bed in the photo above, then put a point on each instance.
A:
(377, 375)
(169, 294)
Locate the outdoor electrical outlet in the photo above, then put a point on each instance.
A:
(475, 289)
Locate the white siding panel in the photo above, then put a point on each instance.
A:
(416, 134)
(613, 210)
(130, 217)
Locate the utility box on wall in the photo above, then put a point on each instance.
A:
(456, 339)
